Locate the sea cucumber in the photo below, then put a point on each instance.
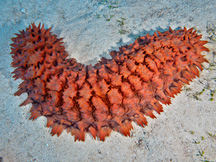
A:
(108, 96)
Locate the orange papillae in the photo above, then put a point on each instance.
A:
(111, 94)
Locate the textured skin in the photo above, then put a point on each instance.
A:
(111, 94)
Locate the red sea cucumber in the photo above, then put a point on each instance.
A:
(113, 93)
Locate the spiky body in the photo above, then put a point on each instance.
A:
(111, 94)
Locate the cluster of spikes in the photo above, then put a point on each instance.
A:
(110, 95)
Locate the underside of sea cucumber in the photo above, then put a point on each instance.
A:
(138, 79)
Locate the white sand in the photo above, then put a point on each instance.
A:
(88, 36)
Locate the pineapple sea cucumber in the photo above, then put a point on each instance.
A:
(111, 94)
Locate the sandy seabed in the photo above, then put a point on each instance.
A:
(185, 131)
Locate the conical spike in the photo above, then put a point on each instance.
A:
(34, 115)
(159, 33)
(102, 134)
(59, 130)
(27, 101)
(170, 30)
(194, 70)
(93, 132)
(54, 129)
(48, 31)
(190, 30)
(42, 27)
(19, 92)
(39, 25)
(50, 121)
(150, 114)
